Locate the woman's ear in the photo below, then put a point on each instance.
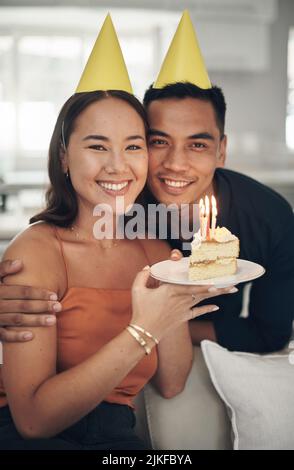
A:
(63, 159)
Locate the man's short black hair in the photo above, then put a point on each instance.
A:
(184, 90)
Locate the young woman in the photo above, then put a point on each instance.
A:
(73, 385)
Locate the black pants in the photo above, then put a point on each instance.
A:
(108, 427)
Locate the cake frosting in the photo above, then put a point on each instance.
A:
(221, 235)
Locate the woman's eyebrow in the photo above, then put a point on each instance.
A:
(106, 139)
(96, 137)
(133, 137)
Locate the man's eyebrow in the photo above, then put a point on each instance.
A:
(202, 135)
(199, 135)
(157, 132)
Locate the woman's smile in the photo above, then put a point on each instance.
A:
(115, 188)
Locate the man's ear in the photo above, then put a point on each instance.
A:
(222, 152)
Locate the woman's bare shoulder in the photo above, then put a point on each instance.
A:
(33, 238)
(37, 247)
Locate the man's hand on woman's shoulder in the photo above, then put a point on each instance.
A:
(23, 306)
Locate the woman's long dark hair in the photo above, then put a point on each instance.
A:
(61, 201)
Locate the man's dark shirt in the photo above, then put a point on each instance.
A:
(264, 223)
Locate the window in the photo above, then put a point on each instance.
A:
(36, 73)
(48, 67)
(42, 54)
(7, 110)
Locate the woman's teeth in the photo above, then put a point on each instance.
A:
(113, 186)
(176, 184)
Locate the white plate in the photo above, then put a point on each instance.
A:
(176, 272)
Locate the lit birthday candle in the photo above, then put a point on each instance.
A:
(202, 216)
(207, 218)
(214, 214)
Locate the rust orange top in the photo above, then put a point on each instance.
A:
(89, 319)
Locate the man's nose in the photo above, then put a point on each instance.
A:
(116, 163)
(176, 160)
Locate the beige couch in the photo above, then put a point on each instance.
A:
(195, 419)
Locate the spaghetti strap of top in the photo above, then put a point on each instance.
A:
(62, 254)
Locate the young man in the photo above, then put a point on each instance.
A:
(187, 145)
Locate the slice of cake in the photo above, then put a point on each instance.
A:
(214, 256)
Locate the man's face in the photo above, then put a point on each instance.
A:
(185, 148)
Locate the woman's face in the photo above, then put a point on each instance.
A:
(107, 154)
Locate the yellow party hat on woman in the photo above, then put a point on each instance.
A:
(106, 68)
(183, 61)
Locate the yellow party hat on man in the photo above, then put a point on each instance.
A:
(183, 61)
(106, 68)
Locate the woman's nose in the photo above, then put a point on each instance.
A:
(116, 163)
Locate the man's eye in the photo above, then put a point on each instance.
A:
(198, 145)
(97, 147)
(133, 147)
(157, 142)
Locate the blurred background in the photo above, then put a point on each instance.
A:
(248, 46)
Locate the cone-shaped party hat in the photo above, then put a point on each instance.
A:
(183, 61)
(106, 68)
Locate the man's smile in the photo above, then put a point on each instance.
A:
(174, 185)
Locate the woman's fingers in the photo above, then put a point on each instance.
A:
(206, 290)
(192, 298)
(141, 280)
(198, 311)
(176, 255)
(186, 290)
(213, 291)
(227, 290)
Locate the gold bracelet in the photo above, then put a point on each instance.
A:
(145, 332)
(139, 339)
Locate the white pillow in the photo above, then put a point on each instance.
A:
(258, 392)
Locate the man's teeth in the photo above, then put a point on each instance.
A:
(113, 186)
(176, 184)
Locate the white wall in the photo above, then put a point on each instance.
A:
(257, 101)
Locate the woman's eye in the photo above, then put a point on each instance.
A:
(97, 147)
(133, 147)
